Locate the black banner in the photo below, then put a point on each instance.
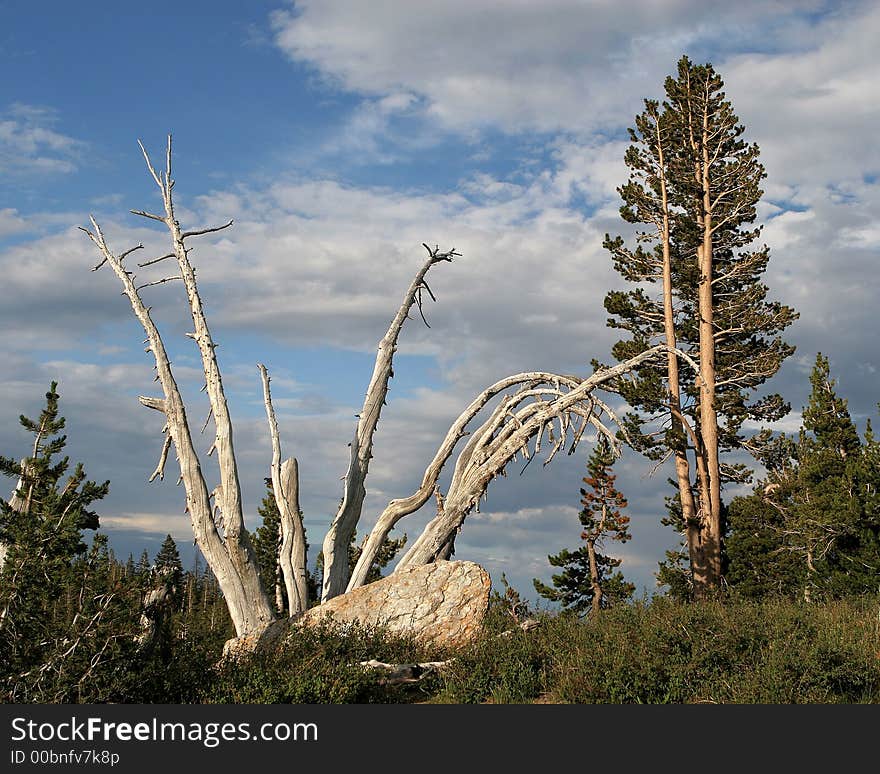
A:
(169, 738)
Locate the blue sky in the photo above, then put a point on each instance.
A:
(340, 135)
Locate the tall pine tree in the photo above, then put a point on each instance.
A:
(168, 567)
(695, 183)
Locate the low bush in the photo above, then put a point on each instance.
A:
(667, 652)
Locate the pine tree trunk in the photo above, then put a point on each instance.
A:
(682, 466)
(708, 413)
(595, 583)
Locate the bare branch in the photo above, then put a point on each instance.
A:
(285, 487)
(207, 419)
(149, 215)
(159, 282)
(150, 167)
(158, 404)
(335, 546)
(163, 457)
(187, 234)
(500, 444)
(229, 553)
(156, 260)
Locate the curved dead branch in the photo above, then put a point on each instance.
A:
(543, 405)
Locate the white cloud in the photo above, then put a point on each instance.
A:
(813, 112)
(29, 144)
(559, 64)
(178, 526)
(11, 222)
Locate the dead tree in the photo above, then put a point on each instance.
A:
(532, 409)
(224, 542)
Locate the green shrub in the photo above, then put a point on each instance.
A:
(653, 652)
(317, 665)
(664, 651)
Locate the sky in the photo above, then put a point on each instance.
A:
(340, 135)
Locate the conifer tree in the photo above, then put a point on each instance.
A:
(828, 523)
(589, 580)
(811, 529)
(143, 567)
(695, 183)
(267, 543)
(871, 474)
(760, 564)
(162, 598)
(167, 564)
(42, 528)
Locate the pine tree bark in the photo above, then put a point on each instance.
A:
(595, 584)
(595, 580)
(679, 423)
(708, 412)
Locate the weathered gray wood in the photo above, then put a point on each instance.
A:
(404, 674)
(285, 488)
(565, 402)
(229, 554)
(345, 523)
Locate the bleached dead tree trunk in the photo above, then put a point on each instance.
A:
(345, 523)
(531, 406)
(17, 504)
(285, 486)
(224, 541)
(560, 407)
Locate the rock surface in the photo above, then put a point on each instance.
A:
(442, 603)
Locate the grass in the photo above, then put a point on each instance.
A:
(649, 652)
(665, 652)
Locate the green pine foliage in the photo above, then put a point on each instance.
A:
(668, 199)
(749, 347)
(167, 562)
(674, 572)
(388, 551)
(811, 528)
(759, 564)
(794, 620)
(41, 527)
(386, 554)
(266, 541)
(589, 579)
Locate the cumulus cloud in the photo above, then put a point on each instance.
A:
(811, 110)
(11, 222)
(29, 144)
(547, 66)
